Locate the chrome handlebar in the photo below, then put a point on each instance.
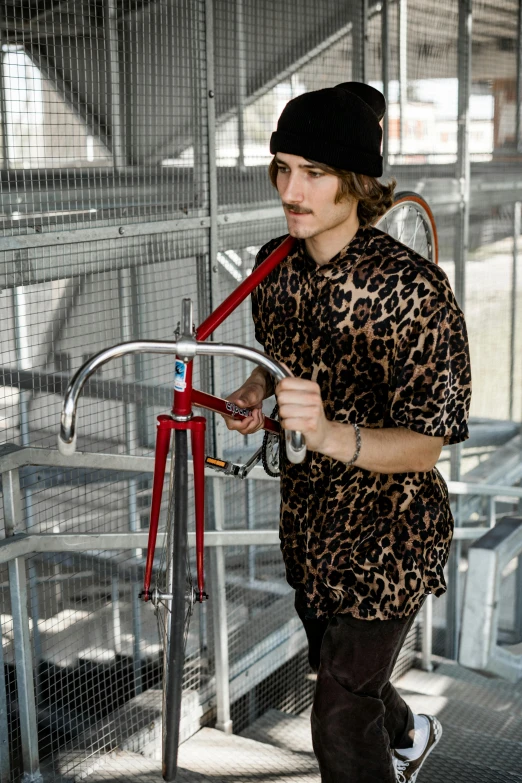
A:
(187, 348)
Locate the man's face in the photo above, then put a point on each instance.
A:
(308, 195)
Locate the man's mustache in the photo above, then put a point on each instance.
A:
(299, 210)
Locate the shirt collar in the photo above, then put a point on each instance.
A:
(343, 261)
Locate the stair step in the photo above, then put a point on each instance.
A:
(212, 757)
(135, 727)
(289, 732)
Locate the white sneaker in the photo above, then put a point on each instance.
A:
(406, 771)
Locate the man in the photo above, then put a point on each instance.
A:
(377, 345)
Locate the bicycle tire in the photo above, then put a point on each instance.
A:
(174, 649)
(409, 213)
(267, 456)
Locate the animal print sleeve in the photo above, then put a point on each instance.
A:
(432, 389)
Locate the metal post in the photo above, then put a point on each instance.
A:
(23, 360)
(3, 111)
(518, 105)
(403, 70)
(250, 497)
(22, 645)
(217, 557)
(518, 601)
(113, 83)
(5, 766)
(13, 523)
(126, 297)
(364, 33)
(427, 634)
(461, 252)
(385, 63)
(116, 619)
(241, 84)
(206, 377)
(463, 163)
(514, 282)
(359, 40)
(492, 511)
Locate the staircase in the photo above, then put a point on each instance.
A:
(482, 740)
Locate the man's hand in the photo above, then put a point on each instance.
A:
(301, 408)
(250, 395)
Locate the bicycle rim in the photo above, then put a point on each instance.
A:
(173, 578)
(410, 221)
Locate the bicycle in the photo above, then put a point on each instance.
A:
(169, 589)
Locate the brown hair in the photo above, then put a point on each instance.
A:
(373, 197)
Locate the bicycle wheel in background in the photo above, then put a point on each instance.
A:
(411, 221)
(173, 578)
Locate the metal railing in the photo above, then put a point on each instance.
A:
(19, 544)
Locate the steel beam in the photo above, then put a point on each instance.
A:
(24, 362)
(518, 98)
(112, 59)
(403, 70)
(359, 43)
(427, 634)
(5, 766)
(241, 83)
(461, 254)
(24, 671)
(12, 501)
(385, 66)
(517, 210)
(217, 557)
(42, 543)
(463, 158)
(127, 332)
(4, 125)
(79, 235)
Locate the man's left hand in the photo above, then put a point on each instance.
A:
(301, 408)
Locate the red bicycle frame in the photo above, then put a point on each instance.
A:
(185, 397)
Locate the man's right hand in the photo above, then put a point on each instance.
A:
(250, 395)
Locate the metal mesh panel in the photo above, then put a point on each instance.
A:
(267, 53)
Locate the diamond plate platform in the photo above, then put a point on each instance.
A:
(459, 746)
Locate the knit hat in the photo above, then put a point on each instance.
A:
(337, 126)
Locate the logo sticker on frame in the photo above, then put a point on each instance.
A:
(180, 375)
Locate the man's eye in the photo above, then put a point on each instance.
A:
(281, 169)
(316, 174)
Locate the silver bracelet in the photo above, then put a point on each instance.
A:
(357, 443)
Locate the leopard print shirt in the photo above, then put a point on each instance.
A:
(379, 329)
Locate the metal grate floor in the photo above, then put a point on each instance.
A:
(482, 740)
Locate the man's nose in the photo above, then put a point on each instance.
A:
(293, 192)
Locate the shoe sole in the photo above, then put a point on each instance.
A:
(431, 719)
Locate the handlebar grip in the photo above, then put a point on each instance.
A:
(67, 448)
(295, 447)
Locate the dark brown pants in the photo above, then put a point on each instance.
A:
(357, 715)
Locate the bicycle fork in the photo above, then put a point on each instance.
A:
(165, 425)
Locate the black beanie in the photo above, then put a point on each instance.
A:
(337, 126)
